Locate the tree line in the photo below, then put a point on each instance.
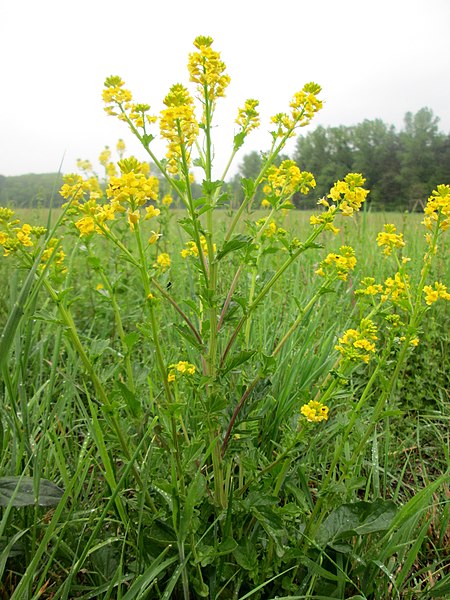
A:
(401, 167)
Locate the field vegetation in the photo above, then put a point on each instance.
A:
(228, 400)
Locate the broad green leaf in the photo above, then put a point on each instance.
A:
(358, 518)
(19, 491)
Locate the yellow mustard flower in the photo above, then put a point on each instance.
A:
(314, 411)
(207, 70)
(178, 125)
(358, 345)
(349, 194)
(338, 264)
(163, 261)
(390, 239)
(432, 295)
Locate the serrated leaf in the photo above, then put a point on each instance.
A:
(239, 140)
(248, 186)
(19, 491)
(210, 187)
(238, 359)
(236, 242)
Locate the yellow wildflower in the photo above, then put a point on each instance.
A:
(181, 368)
(178, 125)
(390, 239)
(163, 261)
(433, 295)
(151, 212)
(167, 200)
(339, 264)
(349, 193)
(154, 237)
(357, 345)
(207, 70)
(437, 209)
(314, 411)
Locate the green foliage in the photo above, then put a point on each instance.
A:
(399, 166)
(31, 191)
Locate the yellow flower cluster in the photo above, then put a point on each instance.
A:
(287, 179)
(75, 188)
(105, 160)
(167, 200)
(14, 235)
(119, 104)
(133, 187)
(349, 194)
(115, 95)
(178, 125)
(179, 369)
(314, 411)
(269, 229)
(207, 70)
(338, 264)
(437, 209)
(370, 288)
(304, 105)
(396, 288)
(163, 261)
(248, 117)
(390, 239)
(192, 248)
(138, 115)
(357, 345)
(433, 294)
(58, 254)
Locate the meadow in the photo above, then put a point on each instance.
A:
(222, 401)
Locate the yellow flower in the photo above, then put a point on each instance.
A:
(163, 261)
(357, 345)
(181, 368)
(207, 70)
(120, 147)
(287, 179)
(154, 237)
(414, 342)
(151, 212)
(314, 411)
(133, 187)
(86, 225)
(167, 200)
(433, 295)
(390, 239)
(178, 125)
(437, 209)
(396, 288)
(133, 218)
(349, 194)
(248, 117)
(338, 264)
(115, 94)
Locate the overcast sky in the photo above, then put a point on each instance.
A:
(373, 59)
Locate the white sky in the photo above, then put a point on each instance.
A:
(373, 58)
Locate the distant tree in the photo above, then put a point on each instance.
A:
(31, 190)
(419, 144)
